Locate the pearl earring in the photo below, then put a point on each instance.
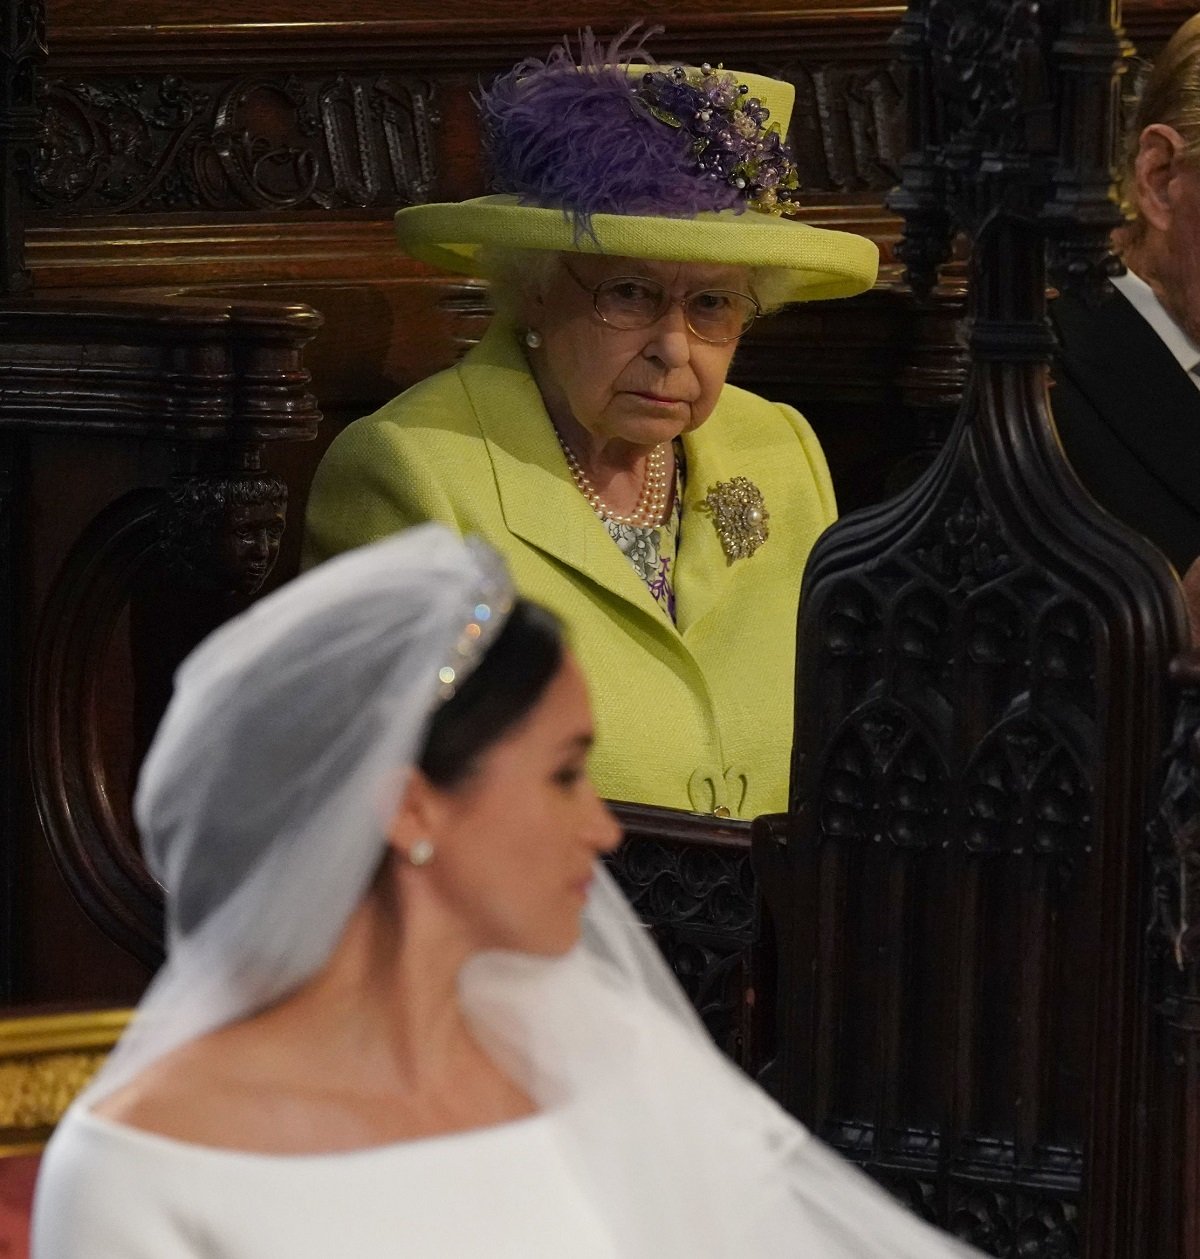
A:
(421, 853)
(533, 339)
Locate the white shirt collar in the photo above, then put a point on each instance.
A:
(1145, 301)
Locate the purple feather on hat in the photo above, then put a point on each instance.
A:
(576, 135)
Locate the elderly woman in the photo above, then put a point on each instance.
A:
(378, 1031)
(662, 514)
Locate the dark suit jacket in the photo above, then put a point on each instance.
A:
(1129, 419)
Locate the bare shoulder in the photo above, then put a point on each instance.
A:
(248, 1089)
(238, 1088)
(191, 1095)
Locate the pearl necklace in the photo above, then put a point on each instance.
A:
(652, 501)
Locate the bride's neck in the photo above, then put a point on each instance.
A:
(387, 1000)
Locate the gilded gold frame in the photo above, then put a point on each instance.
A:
(45, 1059)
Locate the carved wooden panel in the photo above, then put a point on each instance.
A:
(848, 131)
(689, 879)
(157, 417)
(22, 47)
(270, 142)
(279, 139)
(1175, 962)
(959, 885)
(149, 554)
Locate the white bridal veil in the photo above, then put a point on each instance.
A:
(262, 807)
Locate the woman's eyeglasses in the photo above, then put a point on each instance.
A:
(635, 301)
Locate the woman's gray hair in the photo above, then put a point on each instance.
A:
(771, 285)
(514, 275)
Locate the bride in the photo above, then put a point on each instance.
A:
(404, 1010)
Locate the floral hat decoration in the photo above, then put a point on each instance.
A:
(612, 153)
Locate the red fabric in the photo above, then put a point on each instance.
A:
(16, 1198)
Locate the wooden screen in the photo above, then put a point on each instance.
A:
(962, 886)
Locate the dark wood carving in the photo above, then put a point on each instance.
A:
(958, 887)
(194, 372)
(224, 532)
(689, 879)
(1175, 965)
(848, 125)
(251, 142)
(22, 48)
(86, 823)
(153, 546)
(346, 140)
(11, 544)
(200, 390)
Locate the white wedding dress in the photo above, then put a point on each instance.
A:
(648, 1144)
(504, 1192)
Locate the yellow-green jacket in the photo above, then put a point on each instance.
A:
(695, 715)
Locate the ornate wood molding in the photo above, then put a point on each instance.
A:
(461, 41)
(1175, 836)
(270, 142)
(84, 814)
(22, 49)
(344, 115)
(285, 140)
(196, 372)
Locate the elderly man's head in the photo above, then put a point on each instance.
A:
(1162, 180)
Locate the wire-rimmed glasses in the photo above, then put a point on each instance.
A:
(629, 302)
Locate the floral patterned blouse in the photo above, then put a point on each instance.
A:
(651, 549)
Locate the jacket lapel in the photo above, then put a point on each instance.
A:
(539, 500)
(701, 569)
(1136, 385)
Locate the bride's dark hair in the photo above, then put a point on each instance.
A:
(503, 688)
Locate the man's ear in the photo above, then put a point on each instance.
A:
(1160, 151)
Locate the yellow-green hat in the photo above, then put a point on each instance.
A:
(677, 164)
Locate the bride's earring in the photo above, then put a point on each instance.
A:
(421, 853)
(533, 339)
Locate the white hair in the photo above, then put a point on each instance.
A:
(515, 275)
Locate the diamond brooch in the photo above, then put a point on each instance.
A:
(739, 516)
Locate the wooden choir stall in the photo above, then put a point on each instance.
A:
(964, 957)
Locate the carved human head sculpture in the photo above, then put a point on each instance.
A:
(225, 531)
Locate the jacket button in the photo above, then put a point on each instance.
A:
(720, 811)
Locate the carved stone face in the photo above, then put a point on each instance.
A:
(250, 539)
